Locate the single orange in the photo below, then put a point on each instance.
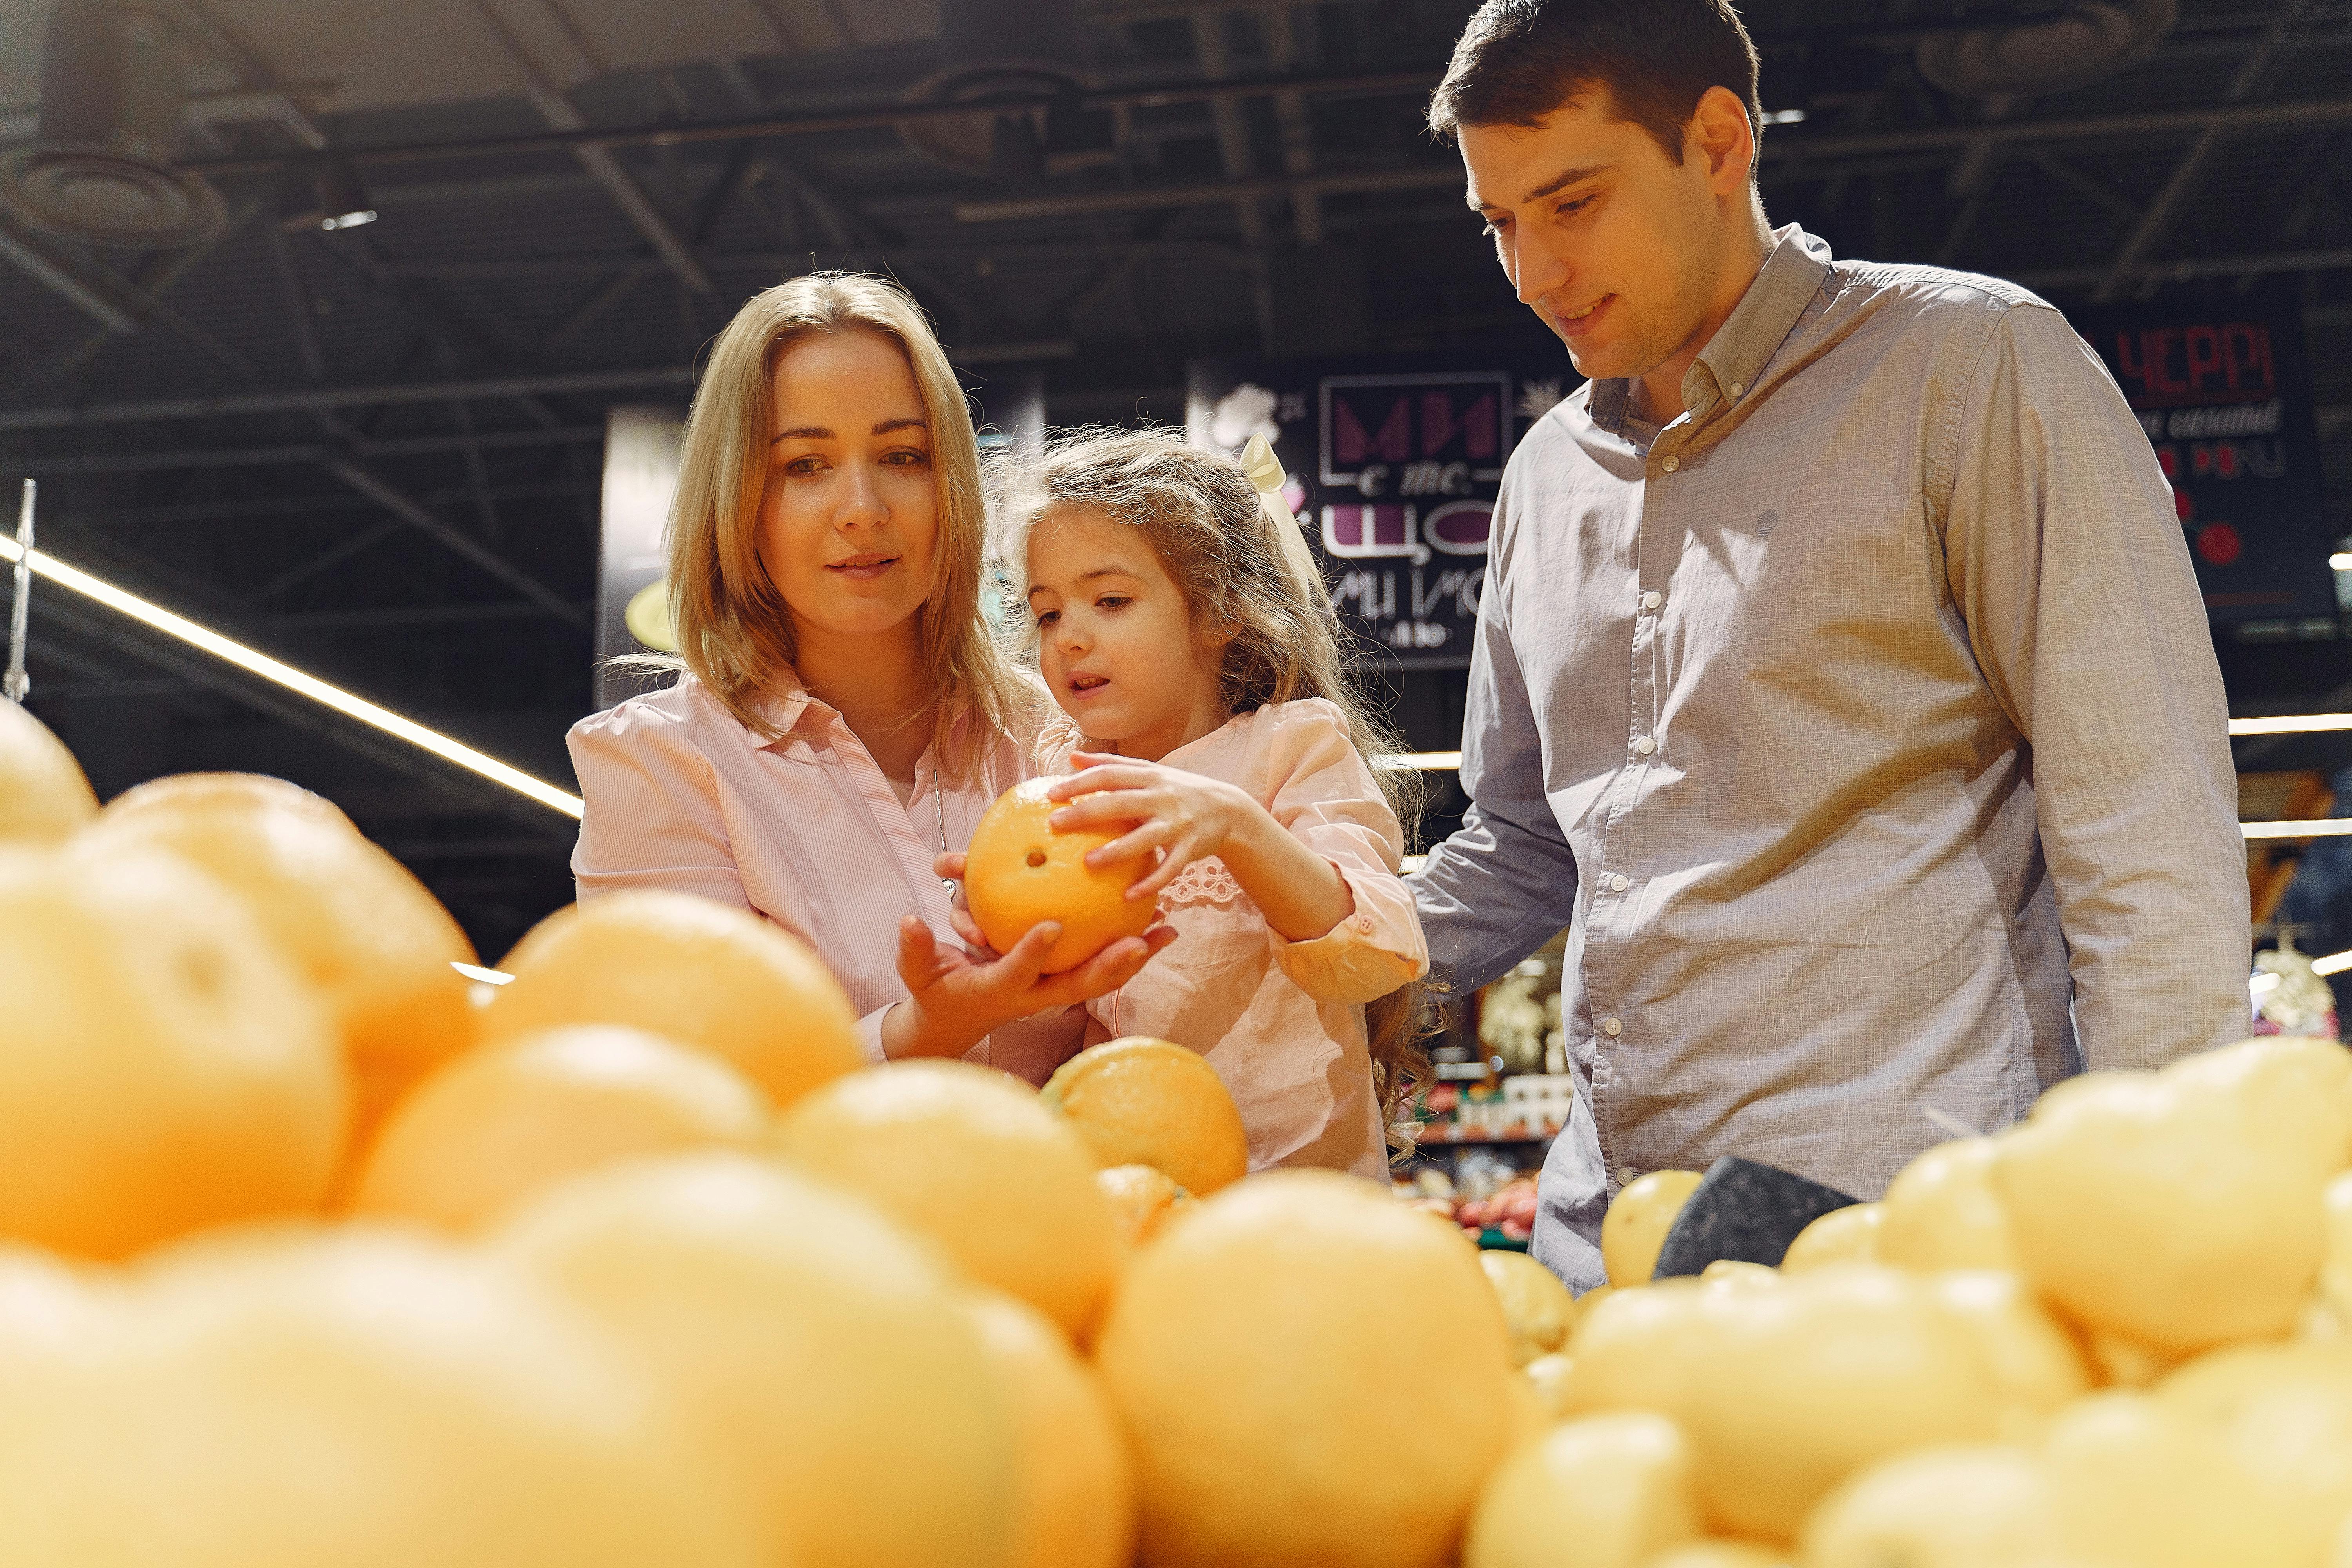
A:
(1142, 1101)
(1074, 1496)
(706, 975)
(965, 1155)
(161, 1067)
(43, 794)
(1142, 1200)
(1019, 869)
(498, 1124)
(355, 921)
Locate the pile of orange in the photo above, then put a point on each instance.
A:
(311, 1251)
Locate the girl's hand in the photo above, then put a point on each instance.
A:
(954, 999)
(1181, 817)
(1177, 815)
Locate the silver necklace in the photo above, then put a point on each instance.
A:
(939, 799)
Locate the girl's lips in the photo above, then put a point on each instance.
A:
(1085, 686)
(864, 568)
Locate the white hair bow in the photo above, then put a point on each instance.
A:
(1266, 472)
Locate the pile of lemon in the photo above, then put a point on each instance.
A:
(310, 1251)
(2118, 1335)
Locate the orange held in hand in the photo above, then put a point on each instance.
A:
(1020, 871)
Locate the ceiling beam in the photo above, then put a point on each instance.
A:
(631, 197)
(56, 465)
(878, 117)
(141, 411)
(2188, 174)
(457, 543)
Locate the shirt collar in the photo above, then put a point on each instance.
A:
(791, 713)
(1791, 274)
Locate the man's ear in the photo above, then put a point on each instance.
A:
(1723, 141)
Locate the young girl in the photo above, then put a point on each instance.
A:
(1190, 643)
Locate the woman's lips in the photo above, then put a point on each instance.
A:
(863, 568)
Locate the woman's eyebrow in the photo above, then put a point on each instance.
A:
(819, 433)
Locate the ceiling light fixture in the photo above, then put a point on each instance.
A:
(47, 565)
(342, 199)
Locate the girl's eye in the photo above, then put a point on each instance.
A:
(903, 458)
(1047, 617)
(803, 466)
(1112, 602)
(1570, 209)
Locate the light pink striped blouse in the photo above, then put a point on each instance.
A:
(804, 829)
(1282, 1021)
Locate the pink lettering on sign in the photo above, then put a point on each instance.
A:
(1356, 531)
(2206, 363)
(1393, 445)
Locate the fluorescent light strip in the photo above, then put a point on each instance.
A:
(47, 565)
(2290, 724)
(1433, 762)
(2341, 561)
(2334, 964)
(2318, 827)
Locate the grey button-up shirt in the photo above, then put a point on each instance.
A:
(1860, 725)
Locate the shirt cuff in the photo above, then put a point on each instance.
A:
(1366, 956)
(869, 1033)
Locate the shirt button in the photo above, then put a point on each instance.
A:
(1736, 388)
(1611, 1027)
(1364, 924)
(1620, 882)
(1646, 745)
(1671, 464)
(1653, 599)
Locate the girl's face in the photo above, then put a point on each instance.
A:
(1114, 637)
(850, 516)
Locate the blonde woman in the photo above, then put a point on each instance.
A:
(842, 716)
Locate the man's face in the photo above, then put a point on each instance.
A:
(1611, 244)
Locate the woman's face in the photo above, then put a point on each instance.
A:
(849, 522)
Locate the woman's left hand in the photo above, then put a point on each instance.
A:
(1177, 815)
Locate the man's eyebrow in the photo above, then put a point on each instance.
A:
(1559, 182)
(819, 433)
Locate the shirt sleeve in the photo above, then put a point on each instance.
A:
(2067, 560)
(1325, 795)
(651, 819)
(1504, 882)
(651, 815)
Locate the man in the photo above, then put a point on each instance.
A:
(1842, 682)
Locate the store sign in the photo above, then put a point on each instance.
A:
(1393, 465)
(640, 476)
(2221, 389)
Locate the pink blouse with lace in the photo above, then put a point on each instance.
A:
(1282, 1021)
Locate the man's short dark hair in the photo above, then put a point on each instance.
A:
(1518, 60)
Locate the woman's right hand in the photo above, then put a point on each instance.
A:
(954, 999)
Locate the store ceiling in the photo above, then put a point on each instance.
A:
(376, 452)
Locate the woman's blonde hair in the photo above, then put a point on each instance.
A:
(1251, 580)
(734, 629)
